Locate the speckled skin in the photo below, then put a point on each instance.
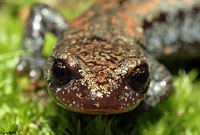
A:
(105, 60)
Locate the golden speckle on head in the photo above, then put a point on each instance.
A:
(97, 104)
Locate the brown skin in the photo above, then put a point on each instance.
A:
(104, 61)
(100, 72)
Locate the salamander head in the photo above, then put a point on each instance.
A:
(97, 78)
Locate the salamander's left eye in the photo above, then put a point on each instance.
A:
(61, 74)
(138, 79)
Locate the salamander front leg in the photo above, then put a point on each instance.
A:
(161, 85)
(42, 19)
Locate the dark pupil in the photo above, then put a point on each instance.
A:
(61, 74)
(142, 78)
(139, 77)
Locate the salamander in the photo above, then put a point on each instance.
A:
(106, 60)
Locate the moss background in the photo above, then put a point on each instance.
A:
(32, 112)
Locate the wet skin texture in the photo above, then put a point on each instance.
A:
(105, 61)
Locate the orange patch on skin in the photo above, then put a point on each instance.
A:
(131, 7)
(130, 24)
(188, 1)
(114, 20)
(87, 15)
(74, 36)
(132, 33)
(85, 27)
(170, 1)
(101, 79)
(97, 26)
(130, 70)
(144, 7)
(148, 6)
(106, 4)
(78, 21)
(116, 31)
(87, 33)
(96, 69)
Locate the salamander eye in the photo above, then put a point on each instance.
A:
(138, 80)
(61, 74)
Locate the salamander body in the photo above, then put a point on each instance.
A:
(105, 61)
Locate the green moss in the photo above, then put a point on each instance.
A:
(33, 112)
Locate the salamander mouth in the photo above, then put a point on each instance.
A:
(118, 102)
(104, 111)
